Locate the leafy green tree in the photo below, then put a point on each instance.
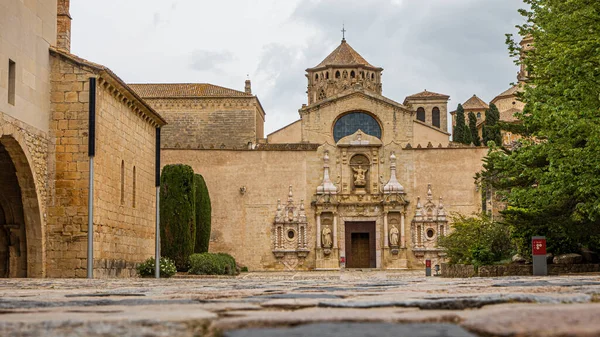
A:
(491, 127)
(473, 129)
(461, 133)
(551, 181)
(477, 240)
(177, 214)
(203, 215)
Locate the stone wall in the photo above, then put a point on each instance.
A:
(124, 191)
(242, 222)
(28, 30)
(125, 138)
(209, 122)
(291, 133)
(458, 270)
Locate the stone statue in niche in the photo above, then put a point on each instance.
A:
(359, 176)
(394, 236)
(326, 237)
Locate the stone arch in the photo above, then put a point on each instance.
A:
(27, 236)
(435, 117)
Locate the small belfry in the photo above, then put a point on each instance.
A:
(343, 69)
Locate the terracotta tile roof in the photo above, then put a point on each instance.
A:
(512, 91)
(151, 90)
(344, 55)
(475, 103)
(428, 94)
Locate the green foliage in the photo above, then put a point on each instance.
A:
(167, 267)
(491, 127)
(177, 214)
(212, 264)
(203, 215)
(477, 240)
(461, 133)
(551, 181)
(473, 129)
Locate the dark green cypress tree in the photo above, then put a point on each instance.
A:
(177, 214)
(203, 215)
(458, 134)
(473, 129)
(491, 127)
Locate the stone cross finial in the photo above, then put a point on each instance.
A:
(343, 32)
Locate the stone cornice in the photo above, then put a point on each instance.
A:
(350, 94)
(116, 86)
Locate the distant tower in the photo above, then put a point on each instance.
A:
(526, 45)
(248, 87)
(342, 69)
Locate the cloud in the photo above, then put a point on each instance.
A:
(206, 60)
(453, 47)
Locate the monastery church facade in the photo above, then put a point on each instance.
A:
(358, 181)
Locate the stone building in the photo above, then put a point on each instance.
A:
(44, 108)
(359, 181)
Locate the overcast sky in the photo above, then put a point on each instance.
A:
(455, 47)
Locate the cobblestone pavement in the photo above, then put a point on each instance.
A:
(349, 303)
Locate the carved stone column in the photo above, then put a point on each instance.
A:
(386, 241)
(335, 231)
(318, 230)
(402, 229)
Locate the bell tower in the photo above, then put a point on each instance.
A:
(343, 69)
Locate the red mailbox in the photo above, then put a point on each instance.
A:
(427, 263)
(538, 246)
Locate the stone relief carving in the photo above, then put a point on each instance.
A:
(359, 176)
(429, 223)
(289, 234)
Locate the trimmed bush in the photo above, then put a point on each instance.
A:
(203, 215)
(167, 268)
(212, 264)
(177, 214)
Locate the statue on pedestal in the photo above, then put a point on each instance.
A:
(359, 176)
(326, 238)
(394, 236)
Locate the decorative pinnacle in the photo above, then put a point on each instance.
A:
(343, 33)
(290, 195)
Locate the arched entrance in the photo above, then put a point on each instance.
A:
(20, 223)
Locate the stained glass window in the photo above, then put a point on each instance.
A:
(352, 122)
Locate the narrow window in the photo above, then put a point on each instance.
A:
(327, 75)
(435, 117)
(352, 74)
(122, 182)
(133, 189)
(421, 114)
(12, 77)
(337, 74)
(373, 76)
(316, 77)
(478, 115)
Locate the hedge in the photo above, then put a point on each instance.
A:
(212, 264)
(203, 215)
(177, 214)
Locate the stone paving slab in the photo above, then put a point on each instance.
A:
(513, 306)
(357, 329)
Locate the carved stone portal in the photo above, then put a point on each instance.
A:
(290, 231)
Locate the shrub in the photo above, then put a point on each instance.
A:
(177, 214)
(212, 264)
(203, 215)
(167, 267)
(477, 240)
